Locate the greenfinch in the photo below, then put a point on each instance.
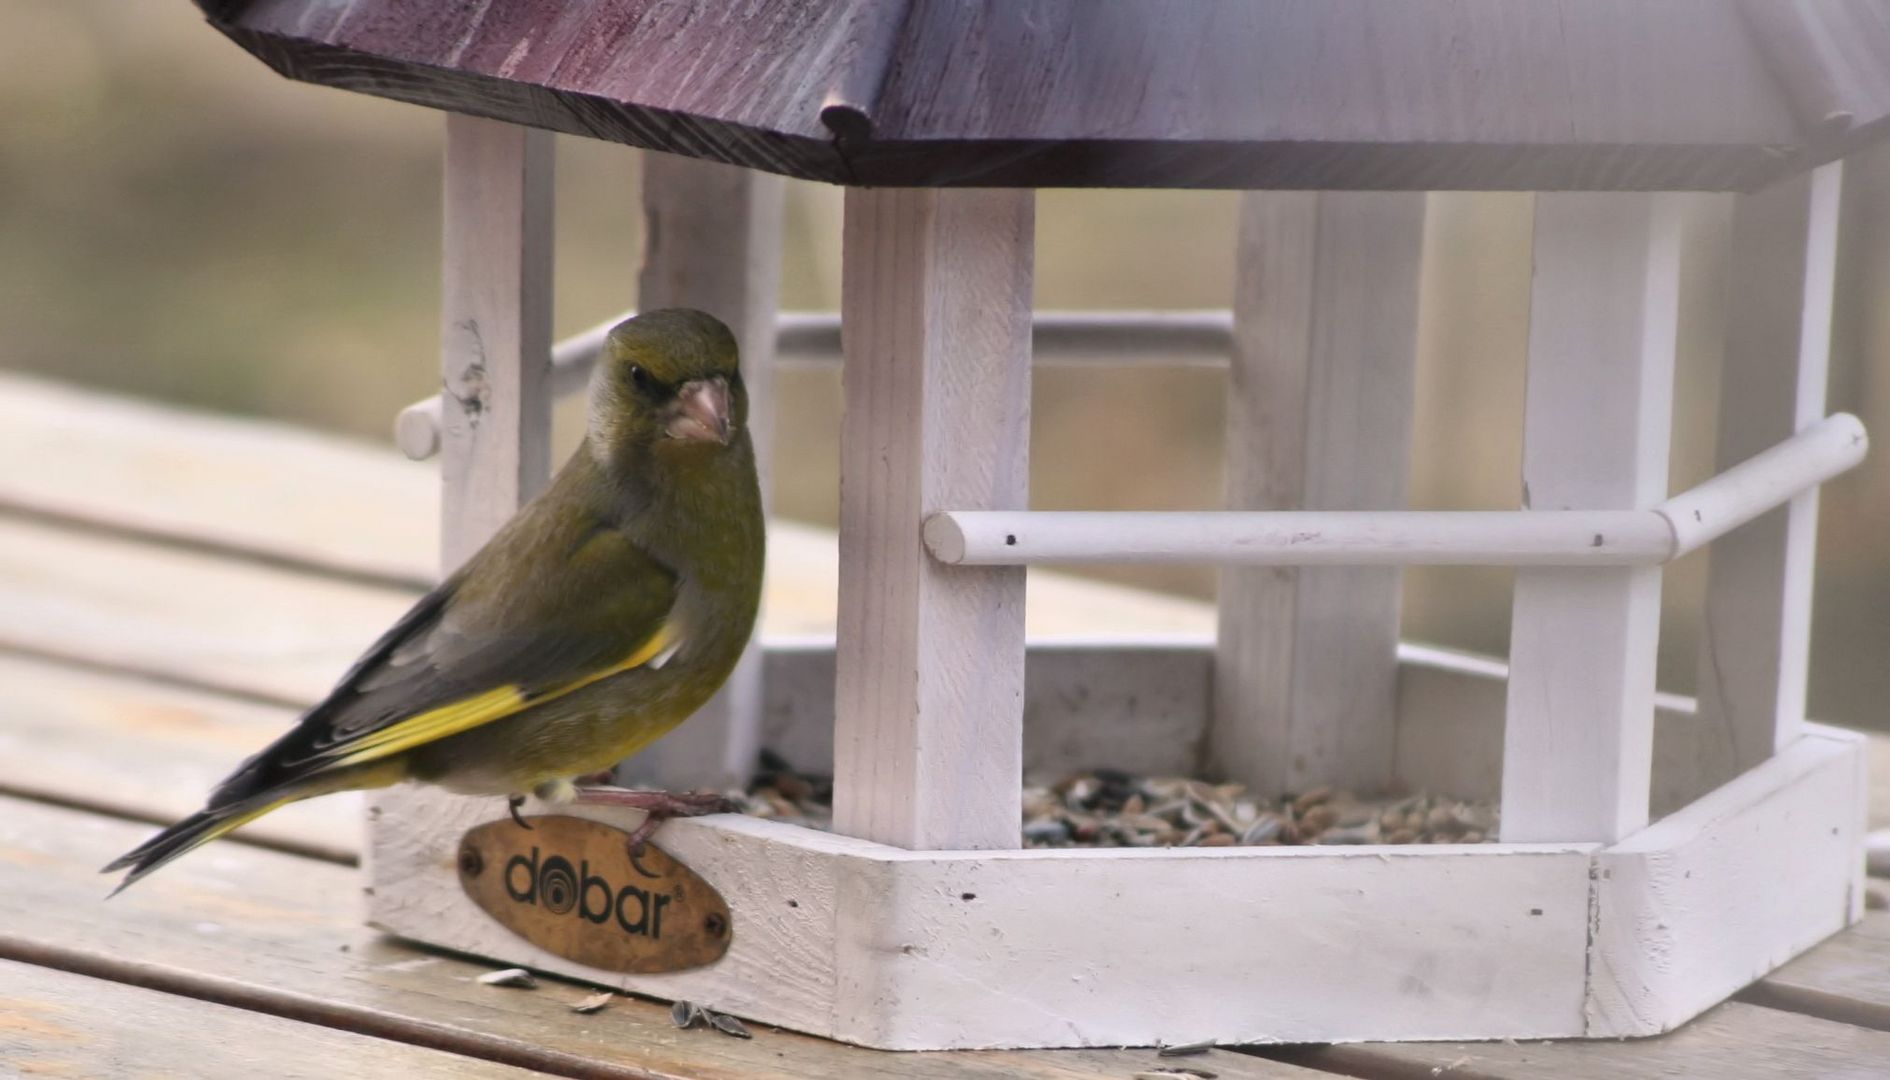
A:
(603, 614)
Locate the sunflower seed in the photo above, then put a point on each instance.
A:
(685, 1014)
(593, 1003)
(727, 1024)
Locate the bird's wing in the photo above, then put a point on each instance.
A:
(575, 605)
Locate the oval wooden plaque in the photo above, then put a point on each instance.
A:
(570, 887)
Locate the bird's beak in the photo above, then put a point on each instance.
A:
(701, 411)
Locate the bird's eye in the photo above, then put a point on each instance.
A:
(639, 378)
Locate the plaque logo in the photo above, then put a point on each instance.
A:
(571, 887)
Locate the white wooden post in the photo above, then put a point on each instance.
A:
(495, 328)
(930, 659)
(495, 358)
(1597, 415)
(712, 241)
(1319, 418)
(1755, 640)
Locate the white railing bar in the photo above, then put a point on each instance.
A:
(812, 339)
(1407, 537)
(1767, 479)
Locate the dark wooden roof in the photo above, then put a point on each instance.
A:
(1430, 94)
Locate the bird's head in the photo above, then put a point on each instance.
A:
(668, 386)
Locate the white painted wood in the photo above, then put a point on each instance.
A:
(495, 327)
(417, 427)
(780, 967)
(496, 360)
(883, 947)
(1693, 909)
(1137, 703)
(1677, 526)
(1578, 742)
(1301, 538)
(1319, 418)
(1755, 636)
(1135, 947)
(956, 949)
(712, 241)
(1773, 477)
(930, 660)
(1188, 338)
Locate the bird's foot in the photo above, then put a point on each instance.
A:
(512, 803)
(658, 806)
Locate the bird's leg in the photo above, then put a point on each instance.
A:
(512, 803)
(659, 806)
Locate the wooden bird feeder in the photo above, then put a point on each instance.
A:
(1656, 854)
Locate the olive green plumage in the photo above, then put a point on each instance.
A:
(603, 614)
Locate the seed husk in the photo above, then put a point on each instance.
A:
(517, 978)
(685, 1014)
(593, 1003)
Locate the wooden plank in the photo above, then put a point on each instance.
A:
(1578, 742)
(1732, 1041)
(930, 659)
(238, 484)
(1098, 701)
(279, 934)
(712, 241)
(149, 752)
(1756, 634)
(1846, 979)
(1319, 418)
(1067, 947)
(495, 314)
(138, 465)
(55, 1023)
(264, 633)
(1696, 907)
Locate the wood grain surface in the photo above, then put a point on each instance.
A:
(55, 1023)
(1414, 94)
(1733, 1040)
(280, 934)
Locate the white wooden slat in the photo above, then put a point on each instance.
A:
(712, 241)
(930, 659)
(1694, 908)
(496, 358)
(1755, 639)
(1319, 418)
(1578, 742)
(495, 327)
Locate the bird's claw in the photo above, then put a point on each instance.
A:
(512, 803)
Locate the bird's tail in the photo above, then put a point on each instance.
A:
(192, 833)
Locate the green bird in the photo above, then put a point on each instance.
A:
(601, 616)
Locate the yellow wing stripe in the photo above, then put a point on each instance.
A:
(482, 708)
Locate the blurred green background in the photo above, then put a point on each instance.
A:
(179, 223)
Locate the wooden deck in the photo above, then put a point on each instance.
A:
(173, 588)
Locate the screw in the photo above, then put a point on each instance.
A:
(471, 863)
(715, 924)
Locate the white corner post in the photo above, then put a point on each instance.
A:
(1319, 417)
(1756, 636)
(712, 241)
(495, 359)
(936, 301)
(495, 328)
(1597, 415)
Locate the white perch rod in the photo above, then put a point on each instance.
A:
(1765, 480)
(1300, 538)
(1408, 537)
(812, 338)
